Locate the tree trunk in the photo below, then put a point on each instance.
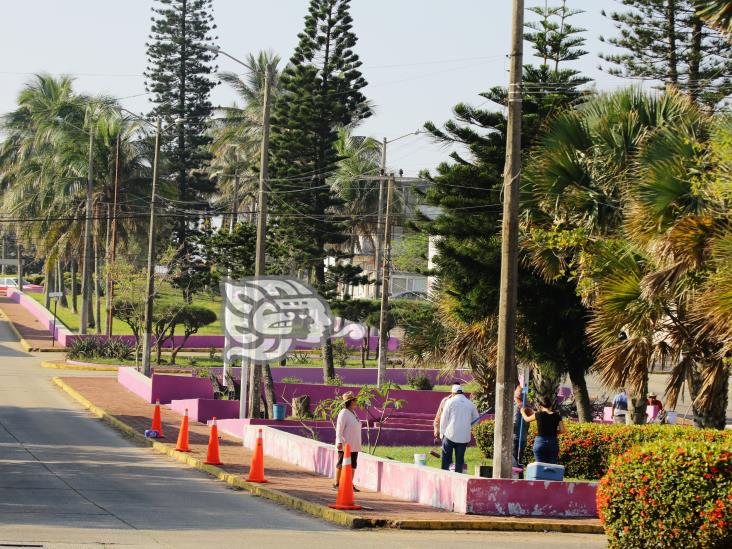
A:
(301, 407)
(74, 288)
(97, 286)
(269, 391)
(715, 416)
(368, 342)
(695, 58)
(255, 384)
(50, 282)
(671, 36)
(581, 396)
(327, 349)
(638, 402)
(61, 285)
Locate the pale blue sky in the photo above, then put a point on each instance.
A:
(420, 56)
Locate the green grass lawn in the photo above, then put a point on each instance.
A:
(166, 294)
(405, 454)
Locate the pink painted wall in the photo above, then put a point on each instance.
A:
(164, 387)
(434, 487)
(41, 314)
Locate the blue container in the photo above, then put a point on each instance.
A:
(279, 411)
(544, 471)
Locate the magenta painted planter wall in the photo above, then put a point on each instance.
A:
(441, 489)
(164, 387)
(41, 314)
(204, 409)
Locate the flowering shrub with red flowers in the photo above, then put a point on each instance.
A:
(668, 494)
(586, 449)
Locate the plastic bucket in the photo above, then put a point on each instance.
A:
(420, 459)
(279, 411)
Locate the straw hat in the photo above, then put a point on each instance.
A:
(651, 395)
(348, 397)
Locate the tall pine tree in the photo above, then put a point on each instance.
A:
(178, 76)
(320, 91)
(468, 192)
(666, 40)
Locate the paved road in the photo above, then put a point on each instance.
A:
(67, 480)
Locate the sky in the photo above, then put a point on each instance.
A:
(421, 57)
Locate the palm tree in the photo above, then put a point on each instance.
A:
(623, 201)
(718, 13)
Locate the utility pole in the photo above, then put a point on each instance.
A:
(112, 245)
(20, 261)
(386, 265)
(259, 262)
(86, 267)
(150, 295)
(506, 359)
(232, 223)
(379, 222)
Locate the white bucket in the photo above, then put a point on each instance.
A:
(420, 459)
(671, 418)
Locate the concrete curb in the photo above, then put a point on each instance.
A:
(62, 365)
(334, 516)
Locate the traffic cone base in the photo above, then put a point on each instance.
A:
(212, 454)
(256, 469)
(345, 499)
(182, 445)
(157, 424)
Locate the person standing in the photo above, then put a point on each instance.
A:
(549, 426)
(620, 407)
(348, 431)
(520, 427)
(457, 417)
(438, 415)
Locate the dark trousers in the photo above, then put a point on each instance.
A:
(546, 449)
(447, 448)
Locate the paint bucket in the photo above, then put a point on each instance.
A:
(420, 459)
(279, 411)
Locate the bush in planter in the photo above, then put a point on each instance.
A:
(669, 494)
(586, 449)
(84, 348)
(420, 382)
(483, 433)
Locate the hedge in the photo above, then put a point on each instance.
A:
(668, 494)
(586, 449)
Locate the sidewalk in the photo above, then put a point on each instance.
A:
(33, 336)
(288, 480)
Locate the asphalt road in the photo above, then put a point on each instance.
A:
(67, 480)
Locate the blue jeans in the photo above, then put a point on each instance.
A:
(546, 449)
(447, 447)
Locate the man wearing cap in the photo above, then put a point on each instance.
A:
(458, 415)
(348, 431)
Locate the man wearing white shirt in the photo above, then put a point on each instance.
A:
(458, 415)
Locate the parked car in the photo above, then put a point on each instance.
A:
(415, 296)
(11, 282)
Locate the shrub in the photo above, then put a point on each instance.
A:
(116, 349)
(484, 400)
(335, 380)
(669, 494)
(341, 353)
(84, 347)
(586, 449)
(291, 380)
(483, 433)
(419, 381)
(35, 278)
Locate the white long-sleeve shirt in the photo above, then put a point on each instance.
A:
(348, 430)
(457, 417)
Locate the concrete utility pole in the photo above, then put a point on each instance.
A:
(20, 263)
(260, 258)
(150, 290)
(383, 335)
(112, 245)
(87, 265)
(232, 223)
(506, 363)
(380, 222)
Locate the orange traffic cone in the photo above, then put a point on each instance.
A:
(256, 469)
(157, 424)
(182, 445)
(345, 499)
(212, 455)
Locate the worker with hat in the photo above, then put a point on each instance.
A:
(458, 415)
(348, 431)
(652, 400)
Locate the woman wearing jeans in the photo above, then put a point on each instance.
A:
(549, 425)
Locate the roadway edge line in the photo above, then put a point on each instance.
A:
(334, 516)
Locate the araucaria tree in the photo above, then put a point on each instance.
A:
(178, 77)
(667, 40)
(320, 91)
